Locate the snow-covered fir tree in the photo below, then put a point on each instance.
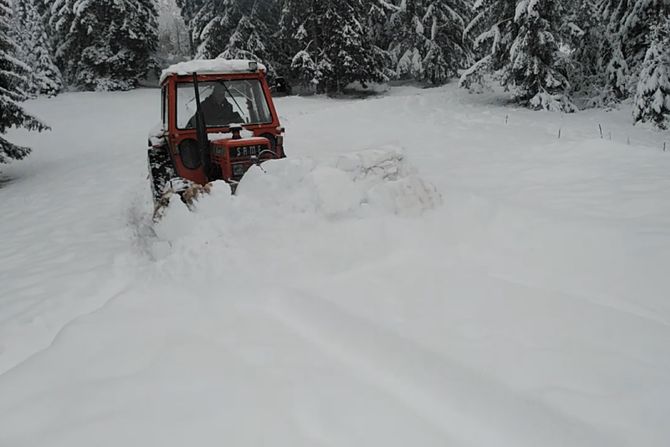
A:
(233, 28)
(637, 24)
(12, 78)
(444, 22)
(329, 45)
(612, 15)
(103, 45)
(251, 38)
(427, 42)
(584, 34)
(617, 73)
(34, 49)
(174, 44)
(381, 34)
(518, 41)
(652, 100)
(409, 40)
(534, 63)
(211, 23)
(491, 31)
(378, 15)
(628, 24)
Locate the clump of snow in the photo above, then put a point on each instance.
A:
(388, 181)
(387, 163)
(336, 192)
(157, 134)
(212, 66)
(244, 133)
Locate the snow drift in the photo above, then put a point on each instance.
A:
(353, 185)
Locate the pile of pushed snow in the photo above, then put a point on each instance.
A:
(389, 182)
(367, 183)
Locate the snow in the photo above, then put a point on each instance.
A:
(426, 268)
(210, 66)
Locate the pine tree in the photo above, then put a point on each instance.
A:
(233, 29)
(329, 43)
(300, 42)
(213, 24)
(533, 70)
(637, 24)
(173, 38)
(102, 45)
(409, 43)
(652, 101)
(584, 33)
(612, 14)
(34, 49)
(12, 77)
(381, 34)
(378, 16)
(628, 23)
(444, 22)
(492, 31)
(188, 10)
(349, 51)
(250, 38)
(522, 49)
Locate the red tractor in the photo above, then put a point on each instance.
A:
(218, 120)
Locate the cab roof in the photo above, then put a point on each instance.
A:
(212, 66)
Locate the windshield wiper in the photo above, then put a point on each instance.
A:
(222, 82)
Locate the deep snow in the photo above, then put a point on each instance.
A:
(500, 287)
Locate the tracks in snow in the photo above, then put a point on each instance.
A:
(465, 405)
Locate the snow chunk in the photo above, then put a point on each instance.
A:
(211, 66)
(408, 196)
(388, 182)
(336, 192)
(385, 163)
(157, 135)
(214, 136)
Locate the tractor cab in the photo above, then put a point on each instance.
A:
(218, 119)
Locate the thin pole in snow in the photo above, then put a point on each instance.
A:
(600, 126)
(664, 143)
(628, 140)
(559, 133)
(506, 118)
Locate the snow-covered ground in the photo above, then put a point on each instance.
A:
(492, 285)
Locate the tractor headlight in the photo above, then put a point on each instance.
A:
(238, 170)
(253, 65)
(273, 141)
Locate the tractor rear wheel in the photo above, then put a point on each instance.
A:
(161, 170)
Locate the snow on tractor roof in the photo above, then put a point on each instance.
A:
(212, 66)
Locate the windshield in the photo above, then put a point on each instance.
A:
(223, 103)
